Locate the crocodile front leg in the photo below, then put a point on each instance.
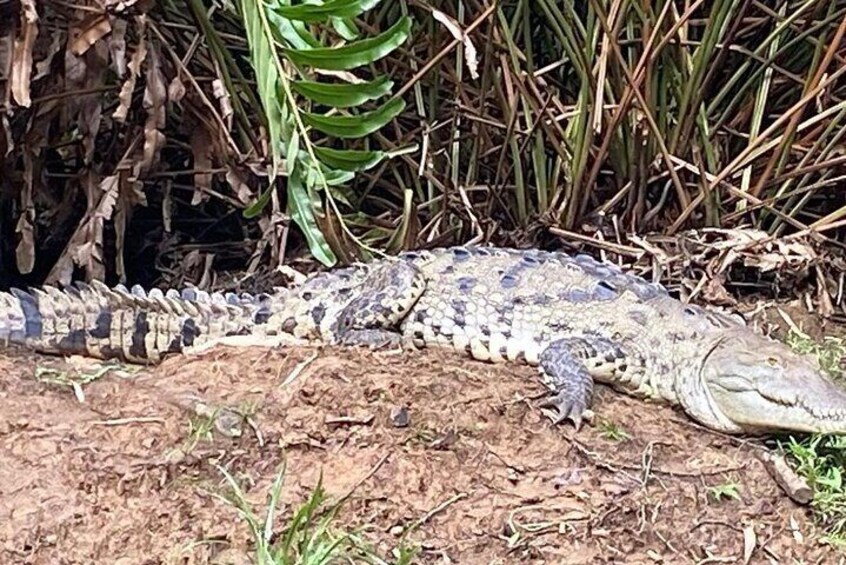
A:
(386, 296)
(568, 367)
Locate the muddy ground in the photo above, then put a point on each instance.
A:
(115, 474)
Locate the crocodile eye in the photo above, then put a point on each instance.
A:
(772, 362)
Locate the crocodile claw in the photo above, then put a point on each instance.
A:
(566, 407)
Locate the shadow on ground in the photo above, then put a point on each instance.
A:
(120, 478)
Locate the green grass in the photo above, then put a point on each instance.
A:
(724, 491)
(821, 459)
(311, 536)
(612, 431)
(76, 378)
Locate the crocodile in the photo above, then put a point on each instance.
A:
(578, 320)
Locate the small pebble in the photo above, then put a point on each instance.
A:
(400, 417)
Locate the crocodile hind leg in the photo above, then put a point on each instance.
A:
(386, 296)
(568, 367)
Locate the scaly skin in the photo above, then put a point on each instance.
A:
(578, 320)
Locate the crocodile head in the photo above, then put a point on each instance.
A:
(748, 383)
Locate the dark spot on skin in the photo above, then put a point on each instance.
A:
(318, 313)
(690, 311)
(461, 254)
(113, 352)
(289, 325)
(508, 281)
(574, 295)
(675, 336)
(560, 327)
(32, 315)
(189, 294)
(604, 290)
(102, 327)
(540, 299)
(307, 295)
(73, 342)
(466, 284)
(189, 332)
(175, 345)
(138, 348)
(448, 270)
(459, 306)
(505, 314)
(420, 317)
(262, 315)
(529, 261)
(638, 318)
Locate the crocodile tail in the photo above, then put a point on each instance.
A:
(118, 323)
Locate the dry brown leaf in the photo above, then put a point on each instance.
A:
(117, 45)
(167, 206)
(715, 292)
(25, 250)
(87, 32)
(7, 48)
(155, 98)
(42, 67)
(176, 89)
(85, 247)
(22, 54)
(471, 57)
(750, 541)
(239, 185)
(222, 96)
(131, 194)
(201, 148)
(135, 62)
(8, 142)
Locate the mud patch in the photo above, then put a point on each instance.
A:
(126, 474)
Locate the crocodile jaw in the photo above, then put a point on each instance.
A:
(751, 384)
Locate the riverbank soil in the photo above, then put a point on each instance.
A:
(123, 466)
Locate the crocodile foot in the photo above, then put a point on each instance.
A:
(563, 369)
